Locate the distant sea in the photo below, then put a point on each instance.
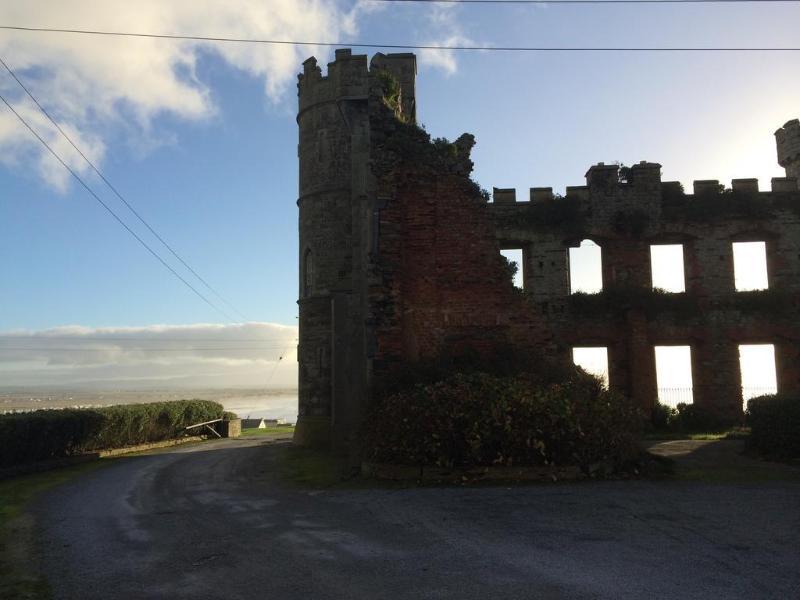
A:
(259, 403)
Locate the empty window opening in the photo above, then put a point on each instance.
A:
(750, 266)
(514, 258)
(674, 375)
(593, 361)
(586, 268)
(666, 263)
(757, 365)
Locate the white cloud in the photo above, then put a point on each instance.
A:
(199, 355)
(443, 59)
(443, 20)
(91, 82)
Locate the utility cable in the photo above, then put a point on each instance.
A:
(198, 38)
(278, 362)
(586, 1)
(116, 192)
(111, 211)
(78, 339)
(130, 349)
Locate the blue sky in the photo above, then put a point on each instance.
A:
(201, 138)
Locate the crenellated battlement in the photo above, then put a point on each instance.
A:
(349, 77)
(787, 139)
(605, 180)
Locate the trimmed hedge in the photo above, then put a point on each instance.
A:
(477, 419)
(46, 434)
(774, 422)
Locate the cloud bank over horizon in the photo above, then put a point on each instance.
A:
(201, 355)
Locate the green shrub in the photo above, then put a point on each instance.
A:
(686, 418)
(479, 419)
(46, 434)
(774, 422)
(696, 418)
(663, 417)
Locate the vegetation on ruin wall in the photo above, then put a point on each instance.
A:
(409, 143)
(725, 203)
(479, 419)
(774, 422)
(48, 434)
(616, 301)
(390, 91)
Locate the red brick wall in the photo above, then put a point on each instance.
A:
(444, 287)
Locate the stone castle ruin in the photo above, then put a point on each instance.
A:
(400, 258)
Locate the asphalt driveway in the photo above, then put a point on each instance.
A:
(213, 521)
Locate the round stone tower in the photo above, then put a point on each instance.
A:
(788, 142)
(334, 131)
(338, 229)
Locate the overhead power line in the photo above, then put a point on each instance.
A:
(114, 189)
(97, 340)
(198, 38)
(586, 1)
(110, 210)
(133, 349)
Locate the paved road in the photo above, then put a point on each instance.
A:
(211, 521)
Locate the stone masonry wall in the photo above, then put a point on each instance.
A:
(624, 218)
(787, 139)
(400, 261)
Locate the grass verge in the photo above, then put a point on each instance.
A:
(738, 433)
(268, 432)
(309, 468)
(19, 573)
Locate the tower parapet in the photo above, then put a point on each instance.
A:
(787, 139)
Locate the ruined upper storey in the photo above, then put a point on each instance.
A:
(788, 142)
(349, 78)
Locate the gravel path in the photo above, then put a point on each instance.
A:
(211, 521)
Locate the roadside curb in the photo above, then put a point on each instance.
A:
(68, 461)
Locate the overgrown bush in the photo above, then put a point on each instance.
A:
(46, 434)
(663, 417)
(685, 418)
(774, 422)
(479, 419)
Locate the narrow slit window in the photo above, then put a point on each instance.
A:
(750, 266)
(308, 273)
(666, 263)
(757, 366)
(593, 360)
(586, 268)
(674, 375)
(514, 258)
